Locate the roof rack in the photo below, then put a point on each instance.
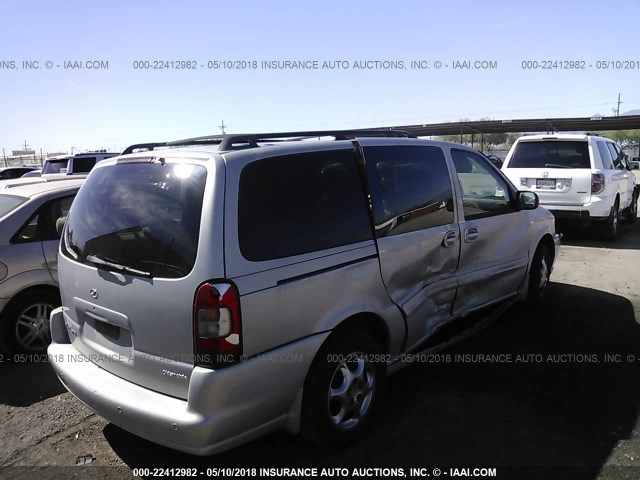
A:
(251, 140)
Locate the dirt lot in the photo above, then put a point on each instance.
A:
(564, 394)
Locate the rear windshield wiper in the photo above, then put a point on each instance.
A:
(556, 165)
(98, 262)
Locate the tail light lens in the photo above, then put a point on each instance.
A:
(597, 182)
(217, 325)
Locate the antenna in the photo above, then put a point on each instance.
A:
(221, 127)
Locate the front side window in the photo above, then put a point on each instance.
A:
(484, 192)
(410, 188)
(605, 155)
(550, 154)
(296, 204)
(616, 155)
(140, 218)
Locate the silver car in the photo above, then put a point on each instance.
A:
(214, 293)
(28, 261)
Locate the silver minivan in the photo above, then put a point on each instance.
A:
(217, 289)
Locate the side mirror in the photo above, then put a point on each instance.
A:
(60, 225)
(528, 200)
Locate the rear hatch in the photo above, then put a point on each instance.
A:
(127, 272)
(558, 170)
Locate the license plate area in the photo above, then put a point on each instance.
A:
(546, 183)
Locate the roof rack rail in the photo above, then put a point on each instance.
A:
(251, 140)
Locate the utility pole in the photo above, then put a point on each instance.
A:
(25, 145)
(618, 109)
(221, 127)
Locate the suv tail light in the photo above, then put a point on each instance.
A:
(217, 325)
(597, 182)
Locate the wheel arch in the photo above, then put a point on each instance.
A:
(25, 291)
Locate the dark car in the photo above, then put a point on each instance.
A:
(8, 173)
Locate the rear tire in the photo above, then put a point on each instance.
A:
(539, 276)
(631, 215)
(343, 389)
(24, 324)
(609, 229)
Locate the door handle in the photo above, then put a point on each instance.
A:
(450, 238)
(471, 234)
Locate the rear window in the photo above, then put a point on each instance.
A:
(144, 217)
(10, 202)
(301, 203)
(551, 154)
(55, 166)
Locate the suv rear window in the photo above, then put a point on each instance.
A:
(301, 203)
(551, 154)
(144, 217)
(55, 166)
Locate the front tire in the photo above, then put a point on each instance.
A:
(343, 389)
(24, 325)
(539, 274)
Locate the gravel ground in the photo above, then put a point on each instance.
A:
(565, 412)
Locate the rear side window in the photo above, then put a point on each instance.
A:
(139, 216)
(10, 202)
(551, 154)
(42, 225)
(410, 188)
(83, 164)
(295, 204)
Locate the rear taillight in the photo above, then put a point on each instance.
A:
(217, 325)
(597, 182)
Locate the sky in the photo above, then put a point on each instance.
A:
(54, 108)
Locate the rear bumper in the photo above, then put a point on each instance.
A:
(597, 209)
(225, 408)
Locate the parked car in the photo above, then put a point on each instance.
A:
(581, 179)
(32, 173)
(28, 262)
(8, 173)
(214, 293)
(81, 163)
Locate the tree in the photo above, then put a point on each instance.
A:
(626, 138)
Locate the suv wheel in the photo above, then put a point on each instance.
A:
(25, 322)
(609, 229)
(343, 389)
(539, 276)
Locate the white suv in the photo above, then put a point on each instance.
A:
(583, 179)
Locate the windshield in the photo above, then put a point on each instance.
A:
(55, 166)
(551, 154)
(9, 202)
(142, 219)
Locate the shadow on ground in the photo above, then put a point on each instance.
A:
(23, 384)
(628, 237)
(563, 404)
